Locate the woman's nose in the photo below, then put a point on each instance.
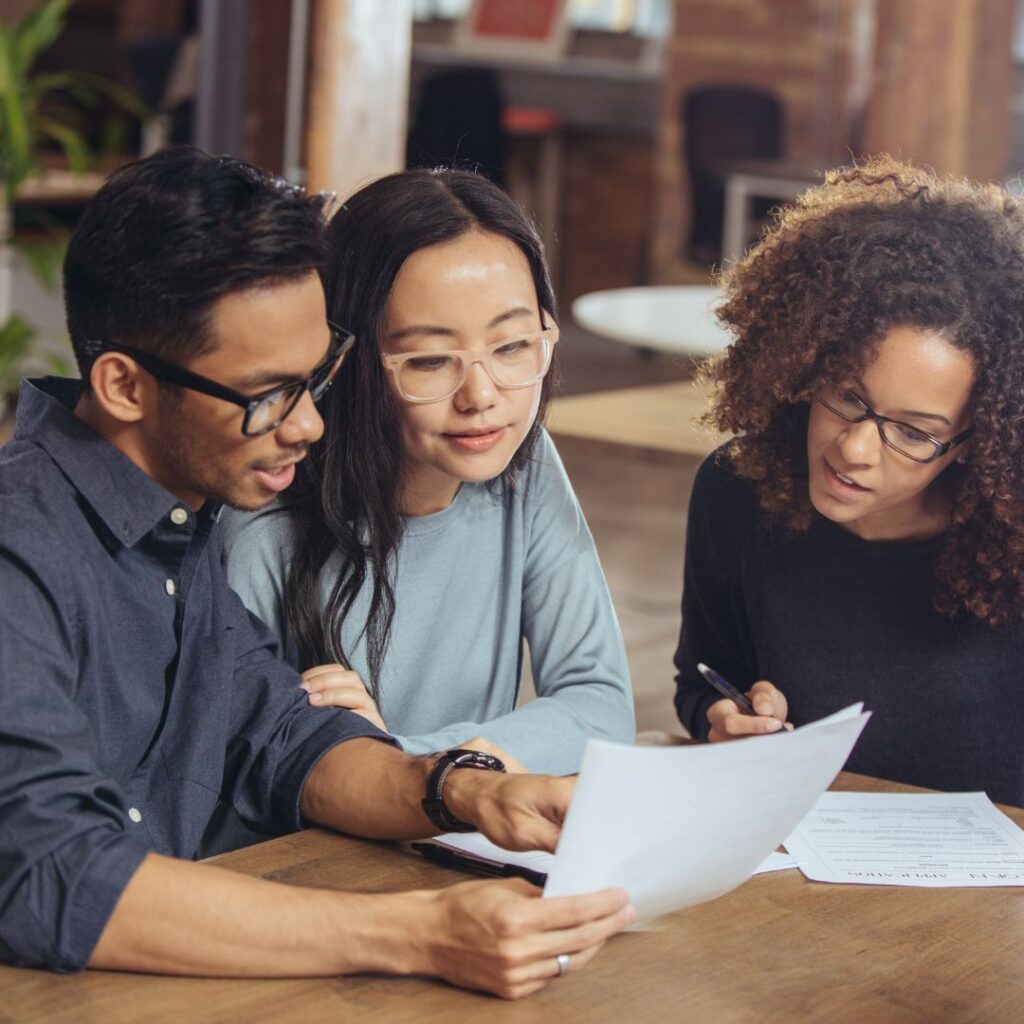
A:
(478, 390)
(860, 443)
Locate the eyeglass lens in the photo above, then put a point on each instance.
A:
(512, 364)
(901, 436)
(272, 410)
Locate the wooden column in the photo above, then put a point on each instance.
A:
(358, 91)
(942, 85)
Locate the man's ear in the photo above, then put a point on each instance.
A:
(116, 386)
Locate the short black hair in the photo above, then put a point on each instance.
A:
(168, 236)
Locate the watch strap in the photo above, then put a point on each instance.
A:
(433, 802)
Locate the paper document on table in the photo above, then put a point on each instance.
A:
(922, 839)
(680, 825)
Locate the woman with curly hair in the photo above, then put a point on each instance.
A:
(862, 536)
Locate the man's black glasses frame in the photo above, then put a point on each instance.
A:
(268, 409)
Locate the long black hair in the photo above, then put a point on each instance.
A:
(347, 492)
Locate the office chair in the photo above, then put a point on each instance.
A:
(723, 123)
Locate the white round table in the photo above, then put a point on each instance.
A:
(668, 318)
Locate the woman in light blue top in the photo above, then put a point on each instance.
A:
(433, 530)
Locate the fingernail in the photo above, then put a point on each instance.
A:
(304, 686)
(630, 914)
(315, 698)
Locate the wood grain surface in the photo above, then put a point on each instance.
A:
(778, 950)
(656, 418)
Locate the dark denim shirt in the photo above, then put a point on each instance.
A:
(136, 691)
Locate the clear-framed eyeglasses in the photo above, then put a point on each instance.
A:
(908, 440)
(434, 376)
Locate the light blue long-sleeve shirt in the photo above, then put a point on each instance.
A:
(498, 566)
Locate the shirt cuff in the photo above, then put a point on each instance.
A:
(340, 726)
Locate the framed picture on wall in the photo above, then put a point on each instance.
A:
(515, 28)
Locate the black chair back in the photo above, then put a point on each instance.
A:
(723, 123)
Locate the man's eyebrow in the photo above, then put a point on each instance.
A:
(261, 380)
(432, 330)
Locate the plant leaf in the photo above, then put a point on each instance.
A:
(69, 140)
(16, 337)
(44, 258)
(37, 31)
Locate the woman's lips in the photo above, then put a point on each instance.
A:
(277, 480)
(476, 442)
(841, 485)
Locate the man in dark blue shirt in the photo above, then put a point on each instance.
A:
(136, 692)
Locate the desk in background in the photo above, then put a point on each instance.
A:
(657, 420)
(667, 318)
(778, 950)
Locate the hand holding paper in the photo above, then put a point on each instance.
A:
(677, 826)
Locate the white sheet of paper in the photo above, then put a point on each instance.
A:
(677, 826)
(540, 860)
(921, 839)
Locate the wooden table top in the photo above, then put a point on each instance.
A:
(653, 420)
(778, 950)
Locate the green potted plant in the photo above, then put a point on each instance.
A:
(39, 112)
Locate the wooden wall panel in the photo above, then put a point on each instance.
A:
(809, 52)
(605, 215)
(942, 85)
(358, 91)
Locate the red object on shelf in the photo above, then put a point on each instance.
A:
(529, 121)
(524, 19)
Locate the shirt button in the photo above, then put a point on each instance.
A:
(169, 587)
(179, 517)
(135, 814)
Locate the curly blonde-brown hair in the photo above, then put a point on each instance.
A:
(878, 246)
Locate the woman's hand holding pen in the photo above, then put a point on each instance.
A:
(729, 722)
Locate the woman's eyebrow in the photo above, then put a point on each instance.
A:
(432, 330)
(914, 413)
(512, 314)
(923, 415)
(429, 330)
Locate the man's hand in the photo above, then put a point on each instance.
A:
(334, 686)
(501, 937)
(728, 722)
(518, 812)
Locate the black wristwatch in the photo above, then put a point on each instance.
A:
(433, 804)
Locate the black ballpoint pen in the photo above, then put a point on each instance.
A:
(726, 689)
(451, 858)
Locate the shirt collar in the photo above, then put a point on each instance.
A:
(128, 500)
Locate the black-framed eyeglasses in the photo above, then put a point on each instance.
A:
(910, 441)
(263, 412)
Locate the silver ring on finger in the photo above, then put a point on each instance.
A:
(563, 964)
